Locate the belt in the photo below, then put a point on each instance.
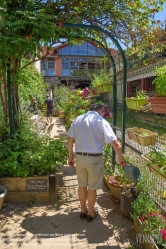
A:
(89, 154)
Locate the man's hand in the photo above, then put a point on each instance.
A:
(70, 151)
(122, 160)
(118, 150)
(71, 162)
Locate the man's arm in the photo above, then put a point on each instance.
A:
(52, 104)
(70, 151)
(118, 150)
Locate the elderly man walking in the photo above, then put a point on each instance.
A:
(90, 132)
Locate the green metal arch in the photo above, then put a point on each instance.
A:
(114, 97)
(83, 26)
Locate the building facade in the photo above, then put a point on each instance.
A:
(72, 64)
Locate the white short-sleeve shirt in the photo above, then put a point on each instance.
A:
(91, 132)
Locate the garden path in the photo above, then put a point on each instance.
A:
(58, 225)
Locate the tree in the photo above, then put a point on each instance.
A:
(25, 25)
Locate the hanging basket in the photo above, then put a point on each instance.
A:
(107, 88)
(142, 136)
(100, 89)
(135, 104)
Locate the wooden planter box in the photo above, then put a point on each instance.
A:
(153, 168)
(134, 134)
(158, 104)
(135, 104)
(142, 238)
(23, 190)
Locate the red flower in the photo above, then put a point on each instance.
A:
(142, 218)
(163, 233)
(152, 214)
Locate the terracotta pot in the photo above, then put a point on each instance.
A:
(56, 112)
(112, 184)
(3, 192)
(158, 104)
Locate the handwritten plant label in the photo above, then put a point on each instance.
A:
(36, 185)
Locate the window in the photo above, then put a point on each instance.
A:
(48, 67)
(80, 66)
(51, 64)
(85, 49)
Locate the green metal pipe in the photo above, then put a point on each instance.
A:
(114, 98)
(83, 26)
(114, 105)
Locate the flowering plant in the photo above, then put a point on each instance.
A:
(152, 220)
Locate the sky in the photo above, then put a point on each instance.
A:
(161, 15)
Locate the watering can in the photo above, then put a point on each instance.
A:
(132, 173)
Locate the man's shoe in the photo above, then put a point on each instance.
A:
(83, 216)
(91, 218)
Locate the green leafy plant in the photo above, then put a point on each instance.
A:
(32, 201)
(102, 78)
(109, 168)
(140, 95)
(160, 80)
(152, 220)
(157, 157)
(28, 154)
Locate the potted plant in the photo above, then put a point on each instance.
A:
(3, 192)
(142, 136)
(129, 195)
(149, 222)
(158, 102)
(57, 109)
(135, 103)
(156, 161)
(103, 82)
(114, 177)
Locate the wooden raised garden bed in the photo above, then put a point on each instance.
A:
(142, 136)
(38, 188)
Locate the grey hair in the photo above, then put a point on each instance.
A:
(96, 107)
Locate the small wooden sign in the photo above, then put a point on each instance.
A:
(36, 185)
